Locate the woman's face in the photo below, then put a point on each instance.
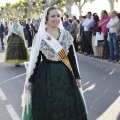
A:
(15, 22)
(53, 18)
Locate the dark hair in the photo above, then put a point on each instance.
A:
(48, 11)
(96, 18)
(105, 12)
(78, 21)
(70, 20)
(75, 17)
(61, 18)
(94, 14)
(118, 15)
(89, 13)
(84, 17)
(67, 16)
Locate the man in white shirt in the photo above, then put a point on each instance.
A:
(113, 30)
(88, 23)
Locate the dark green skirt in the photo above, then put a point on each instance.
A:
(55, 95)
(16, 50)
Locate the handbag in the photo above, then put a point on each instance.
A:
(99, 38)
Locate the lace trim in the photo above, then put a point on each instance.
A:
(32, 61)
(65, 40)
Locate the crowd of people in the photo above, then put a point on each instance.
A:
(98, 36)
(29, 28)
(94, 36)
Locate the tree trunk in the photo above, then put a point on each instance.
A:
(29, 9)
(80, 9)
(111, 6)
(29, 13)
(68, 10)
(80, 6)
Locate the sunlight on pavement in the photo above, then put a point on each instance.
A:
(112, 72)
(89, 88)
(112, 112)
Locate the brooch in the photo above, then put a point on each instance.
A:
(48, 38)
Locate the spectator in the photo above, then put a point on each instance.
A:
(70, 24)
(88, 23)
(2, 32)
(81, 34)
(24, 28)
(113, 30)
(24, 23)
(29, 29)
(103, 22)
(33, 28)
(118, 34)
(99, 39)
(65, 23)
(6, 28)
(95, 30)
(36, 25)
(74, 30)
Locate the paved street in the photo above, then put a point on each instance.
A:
(101, 87)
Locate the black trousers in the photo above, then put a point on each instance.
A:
(1, 37)
(29, 37)
(106, 47)
(88, 42)
(75, 44)
(83, 44)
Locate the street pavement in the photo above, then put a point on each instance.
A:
(101, 87)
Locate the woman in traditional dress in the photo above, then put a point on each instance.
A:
(53, 79)
(16, 49)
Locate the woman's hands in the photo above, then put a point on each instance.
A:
(78, 82)
(27, 86)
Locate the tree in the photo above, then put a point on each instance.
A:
(68, 5)
(112, 4)
(36, 5)
(80, 4)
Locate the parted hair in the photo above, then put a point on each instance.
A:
(48, 11)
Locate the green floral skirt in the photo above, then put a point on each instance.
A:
(55, 95)
(16, 50)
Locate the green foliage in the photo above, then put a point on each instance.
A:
(10, 10)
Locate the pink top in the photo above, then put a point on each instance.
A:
(104, 28)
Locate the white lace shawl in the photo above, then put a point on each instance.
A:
(65, 40)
